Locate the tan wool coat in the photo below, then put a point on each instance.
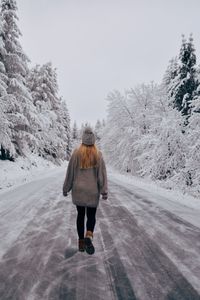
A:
(86, 184)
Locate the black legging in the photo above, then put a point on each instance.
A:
(91, 220)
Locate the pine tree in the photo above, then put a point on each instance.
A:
(53, 133)
(193, 161)
(171, 71)
(170, 78)
(64, 129)
(33, 116)
(103, 123)
(97, 130)
(21, 114)
(75, 131)
(7, 150)
(185, 83)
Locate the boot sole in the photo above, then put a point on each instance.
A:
(89, 248)
(81, 249)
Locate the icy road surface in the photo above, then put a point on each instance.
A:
(143, 250)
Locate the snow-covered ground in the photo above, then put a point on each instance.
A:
(182, 204)
(24, 170)
(147, 243)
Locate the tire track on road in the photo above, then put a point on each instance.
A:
(23, 263)
(119, 280)
(151, 273)
(70, 274)
(177, 237)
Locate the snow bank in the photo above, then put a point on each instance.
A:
(153, 189)
(24, 170)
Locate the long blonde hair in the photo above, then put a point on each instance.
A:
(88, 156)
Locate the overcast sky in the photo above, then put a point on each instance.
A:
(101, 45)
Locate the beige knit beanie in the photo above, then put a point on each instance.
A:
(88, 137)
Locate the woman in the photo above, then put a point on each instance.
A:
(87, 178)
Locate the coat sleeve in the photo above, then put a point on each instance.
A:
(102, 177)
(69, 178)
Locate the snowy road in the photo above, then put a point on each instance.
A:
(143, 251)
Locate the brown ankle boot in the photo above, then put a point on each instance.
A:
(89, 247)
(89, 234)
(81, 245)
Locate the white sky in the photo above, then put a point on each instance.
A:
(101, 45)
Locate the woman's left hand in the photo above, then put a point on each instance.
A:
(105, 196)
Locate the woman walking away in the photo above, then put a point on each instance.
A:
(87, 178)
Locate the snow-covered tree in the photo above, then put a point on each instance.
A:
(184, 84)
(7, 150)
(170, 78)
(97, 130)
(192, 171)
(64, 129)
(20, 113)
(144, 134)
(76, 135)
(116, 136)
(163, 150)
(103, 123)
(75, 131)
(53, 134)
(33, 117)
(145, 130)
